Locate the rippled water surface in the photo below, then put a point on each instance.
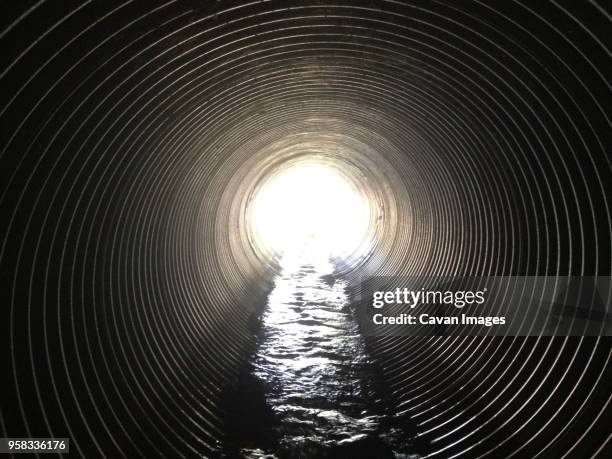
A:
(316, 376)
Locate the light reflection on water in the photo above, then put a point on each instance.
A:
(315, 369)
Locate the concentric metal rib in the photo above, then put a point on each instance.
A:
(133, 134)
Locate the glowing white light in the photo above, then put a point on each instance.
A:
(310, 208)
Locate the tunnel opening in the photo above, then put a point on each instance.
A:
(310, 209)
(317, 190)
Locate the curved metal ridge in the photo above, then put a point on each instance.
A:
(133, 134)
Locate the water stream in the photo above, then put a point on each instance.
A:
(316, 376)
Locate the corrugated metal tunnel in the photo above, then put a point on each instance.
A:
(135, 135)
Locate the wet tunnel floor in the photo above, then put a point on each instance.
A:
(310, 389)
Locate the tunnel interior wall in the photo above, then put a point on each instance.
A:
(482, 130)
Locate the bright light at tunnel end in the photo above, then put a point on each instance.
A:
(312, 210)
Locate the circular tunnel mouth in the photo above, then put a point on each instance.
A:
(313, 207)
(312, 194)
